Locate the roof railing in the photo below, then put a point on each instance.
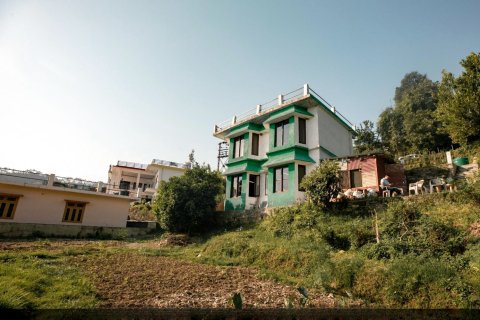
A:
(276, 103)
(170, 163)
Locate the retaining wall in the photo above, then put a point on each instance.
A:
(20, 230)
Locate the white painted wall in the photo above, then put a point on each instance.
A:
(164, 174)
(333, 135)
(264, 144)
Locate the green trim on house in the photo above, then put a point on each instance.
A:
(244, 165)
(285, 155)
(282, 198)
(242, 128)
(236, 203)
(288, 111)
(328, 152)
(342, 122)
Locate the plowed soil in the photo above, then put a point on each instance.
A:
(132, 280)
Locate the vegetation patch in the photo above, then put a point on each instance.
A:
(42, 279)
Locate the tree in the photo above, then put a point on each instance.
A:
(185, 203)
(323, 183)
(459, 102)
(410, 126)
(391, 130)
(366, 140)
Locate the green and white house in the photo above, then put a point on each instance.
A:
(272, 147)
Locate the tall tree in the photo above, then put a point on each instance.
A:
(410, 126)
(366, 139)
(459, 102)
(391, 130)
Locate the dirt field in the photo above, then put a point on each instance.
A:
(124, 276)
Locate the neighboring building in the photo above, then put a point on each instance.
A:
(365, 171)
(275, 145)
(28, 197)
(141, 181)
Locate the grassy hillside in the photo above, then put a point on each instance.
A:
(428, 255)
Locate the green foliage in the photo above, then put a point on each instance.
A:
(323, 183)
(366, 139)
(459, 102)
(141, 211)
(185, 203)
(410, 127)
(42, 280)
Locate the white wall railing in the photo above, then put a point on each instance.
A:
(276, 103)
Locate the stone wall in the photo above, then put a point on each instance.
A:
(20, 230)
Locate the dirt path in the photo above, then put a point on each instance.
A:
(133, 280)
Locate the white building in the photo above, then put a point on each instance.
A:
(273, 146)
(141, 181)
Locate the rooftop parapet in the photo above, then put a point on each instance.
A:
(281, 101)
(134, 165)
(33, 177)
(170, 163)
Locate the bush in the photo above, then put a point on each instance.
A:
(185, 203)
(323, 183)
(407, 230)
(141, 211)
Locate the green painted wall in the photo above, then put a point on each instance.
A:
(236, 203)
(248, 126)
(282, 198)
(290, 110)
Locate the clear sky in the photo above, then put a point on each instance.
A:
(86, 83)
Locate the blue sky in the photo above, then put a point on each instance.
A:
(86, 83)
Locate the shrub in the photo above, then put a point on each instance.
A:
(141, 211)
(406, 230)
(185, 203)
(323, 183)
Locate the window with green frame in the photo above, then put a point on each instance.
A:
(281, 133)
(238, 145)
(236, 186)
(280, 178)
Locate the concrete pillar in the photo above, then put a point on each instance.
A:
(259, 108)
(138, 179)
(280, 99)
(99, 186)
(449, 157)
(306, 89)
(51, 179)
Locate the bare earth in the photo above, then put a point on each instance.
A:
(129, 279)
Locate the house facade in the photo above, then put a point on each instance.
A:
(38, 199)
(140, 181)
(273, 147)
